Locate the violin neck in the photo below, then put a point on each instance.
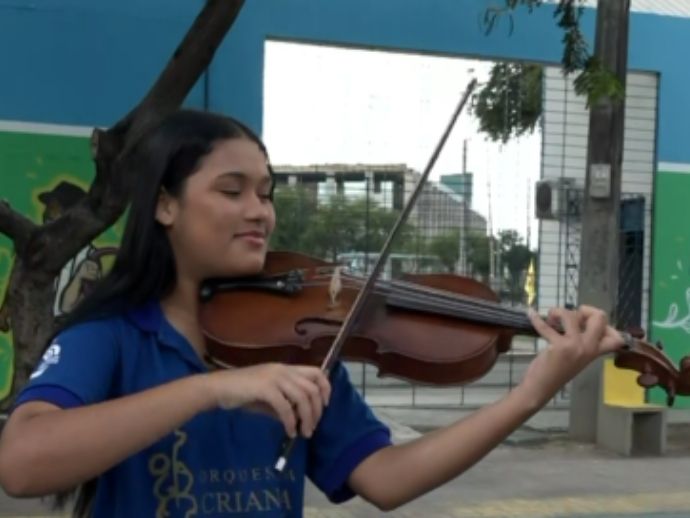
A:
(449, 304)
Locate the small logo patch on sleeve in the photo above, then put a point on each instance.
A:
(50, 357)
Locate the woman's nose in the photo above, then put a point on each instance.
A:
(258, 207)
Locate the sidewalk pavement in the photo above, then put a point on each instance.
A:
(538, 472)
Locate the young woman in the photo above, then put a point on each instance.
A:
(123, 405)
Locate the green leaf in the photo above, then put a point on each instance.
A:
(598, 83)
(509, 105)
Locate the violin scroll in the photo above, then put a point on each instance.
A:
(655, 368)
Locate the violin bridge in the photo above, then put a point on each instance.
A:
(335, 287)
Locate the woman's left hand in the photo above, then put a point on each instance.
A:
(586, 336)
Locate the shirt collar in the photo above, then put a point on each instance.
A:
(150, 318)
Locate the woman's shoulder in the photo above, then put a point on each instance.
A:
(116, 323)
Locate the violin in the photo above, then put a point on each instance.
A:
(435, 329)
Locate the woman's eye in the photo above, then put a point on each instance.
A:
(232, 194)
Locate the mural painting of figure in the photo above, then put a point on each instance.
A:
(85, 268)
(82, 270)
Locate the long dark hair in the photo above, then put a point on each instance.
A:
(144, 268)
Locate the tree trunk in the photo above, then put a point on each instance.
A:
(31, 296)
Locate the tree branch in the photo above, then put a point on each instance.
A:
(109, 193)
(15, 226)
(187, 64)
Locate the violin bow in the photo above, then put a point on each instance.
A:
(358, 304)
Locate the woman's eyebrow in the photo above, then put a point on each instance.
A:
(232, 174)
(242, 177)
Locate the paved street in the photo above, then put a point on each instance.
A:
(557, 480)
(544, 476)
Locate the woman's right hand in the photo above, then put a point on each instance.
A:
(103, 434)
(294, 394)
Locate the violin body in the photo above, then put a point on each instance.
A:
(249, 322)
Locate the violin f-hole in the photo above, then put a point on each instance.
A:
(300, 325)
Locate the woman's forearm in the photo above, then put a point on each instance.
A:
(401, 473)
(45, 449)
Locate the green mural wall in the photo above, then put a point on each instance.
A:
(43, 171)
(670, 297)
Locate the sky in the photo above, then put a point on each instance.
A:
(339, 105)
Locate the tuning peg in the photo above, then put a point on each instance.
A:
(670, 393)
(685, 365)
(659, 345)
(647, 380)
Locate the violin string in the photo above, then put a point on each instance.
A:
(426, 294)
(439, 294)
(422, 290)
(460, 309)
(443, 301)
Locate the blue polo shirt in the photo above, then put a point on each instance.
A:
(220, 463)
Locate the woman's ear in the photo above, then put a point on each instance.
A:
(166, 208)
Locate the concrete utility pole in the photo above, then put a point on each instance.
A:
(598, 278)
